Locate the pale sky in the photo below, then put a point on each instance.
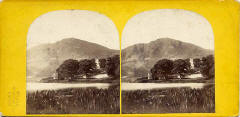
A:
(177, 24)
(82, 24)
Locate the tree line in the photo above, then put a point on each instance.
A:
(165, 68)
(72, 69)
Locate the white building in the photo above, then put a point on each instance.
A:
(191, 63)
(55, 76)
(149, 75)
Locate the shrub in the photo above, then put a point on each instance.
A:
(162, 69)
(68, 69)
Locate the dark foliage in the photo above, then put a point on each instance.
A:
(87, 67)
(162, 69)
(68, 69)
(181, 67)
(197, 63)
(113, 66)
(102, 63)
(207, 66)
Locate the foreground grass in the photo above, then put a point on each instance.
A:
(174, 100)
(74, 101)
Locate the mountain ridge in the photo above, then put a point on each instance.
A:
(139, 58)
(171, 47)
(43, 59)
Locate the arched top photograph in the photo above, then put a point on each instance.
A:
(171, 51)
(71, 51)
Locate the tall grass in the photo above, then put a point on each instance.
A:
(174, 100)
(74, 101)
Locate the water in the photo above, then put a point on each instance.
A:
(55, 86)
(148, 86)
(34, 86)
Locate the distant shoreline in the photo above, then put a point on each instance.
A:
(82, 80)
(175, 80)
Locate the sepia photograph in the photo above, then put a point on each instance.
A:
(167, 63)
(73, 64)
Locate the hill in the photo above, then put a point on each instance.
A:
(139, 58)
(42, 60)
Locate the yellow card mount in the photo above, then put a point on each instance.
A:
(119, 58)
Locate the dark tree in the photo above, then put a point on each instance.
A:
(188, 64)
(207, 66)
(87, 67)
(113, 66)
(197, 63)
(162, 69)
(102, 63)
(68, 69)
(181, 67)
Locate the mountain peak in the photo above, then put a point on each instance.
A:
(165, 48)
(164, 40)
(45, 58)
(141, 57)
(70, 40)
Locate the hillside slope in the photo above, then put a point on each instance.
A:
(42, 60)
(139, 58)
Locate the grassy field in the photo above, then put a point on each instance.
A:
(74, 101)
(174, 100)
